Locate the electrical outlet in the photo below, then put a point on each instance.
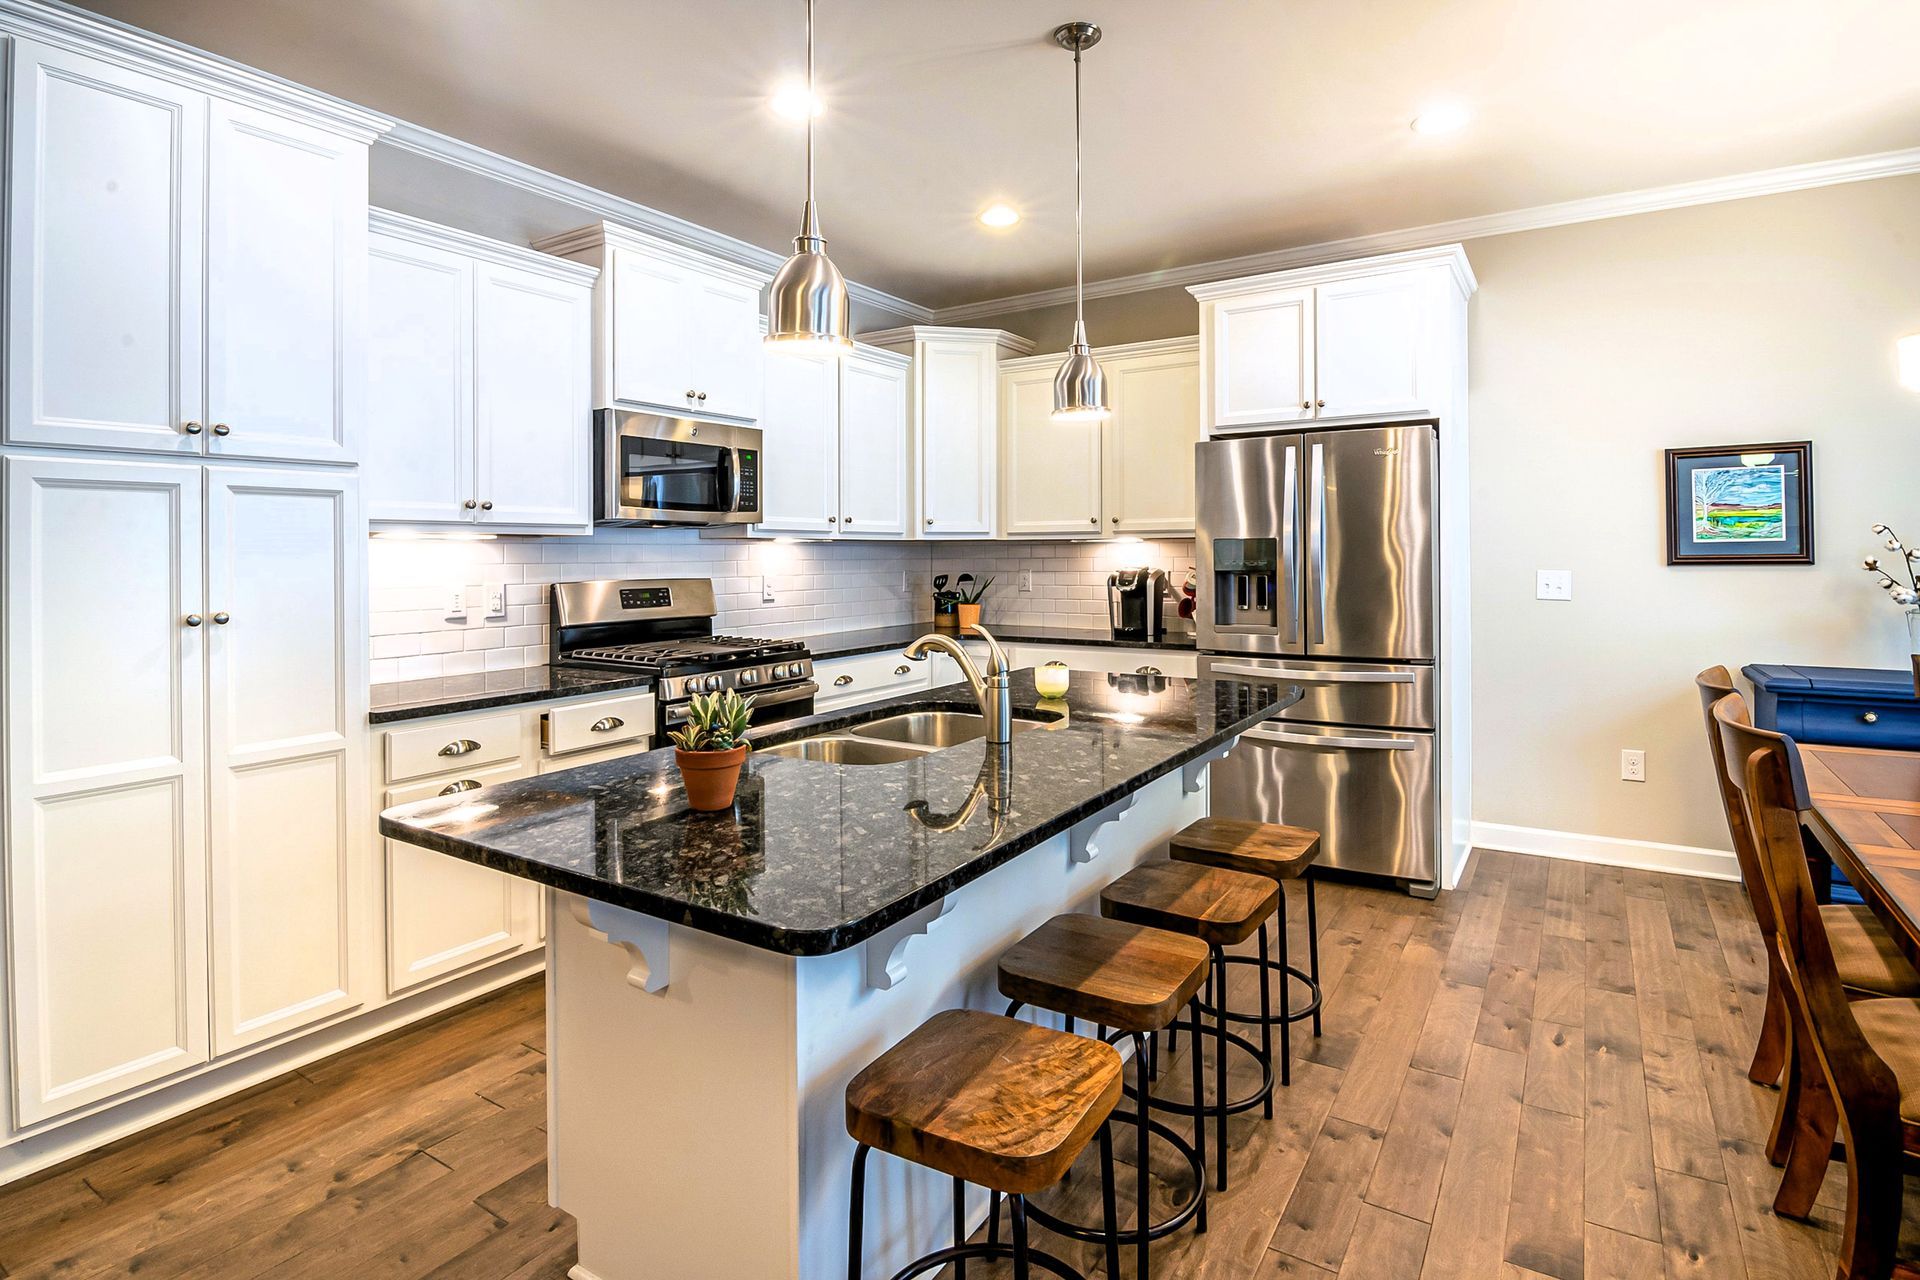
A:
(1026, 580)
(766, 591)
(1633, 766)
(457, 603)
(496, 602)
(1553, 584)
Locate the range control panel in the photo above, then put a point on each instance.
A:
(645, 598)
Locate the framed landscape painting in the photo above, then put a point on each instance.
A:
(1740, 504)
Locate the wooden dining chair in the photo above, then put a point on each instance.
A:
(1859, 1060)
(1867, 959)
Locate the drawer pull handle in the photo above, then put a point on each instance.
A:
(1871, 717)
(903, 669)
(460, 747)
(1146, 671)
(606, 724)
(455, 788)
(841, 682)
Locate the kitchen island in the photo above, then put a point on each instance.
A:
(714, 980)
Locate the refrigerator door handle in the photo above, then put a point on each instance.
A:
(1329, 740)
(1317, 535)
(1290, 548)
(1313, 677)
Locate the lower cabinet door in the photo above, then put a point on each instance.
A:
(285, 702)
(445, 915)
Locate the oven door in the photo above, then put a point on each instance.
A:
(770, 706)
(656, 470)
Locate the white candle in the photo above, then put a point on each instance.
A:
(1051, 680)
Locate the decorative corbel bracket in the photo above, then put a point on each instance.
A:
(1194, 770)
(643, 938)
(1084, 842)
(886, 951)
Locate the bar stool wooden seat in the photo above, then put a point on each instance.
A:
(1221, 908)
(1281, 853)
(1134, 980)
(994, 1101)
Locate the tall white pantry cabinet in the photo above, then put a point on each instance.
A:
(187, 831)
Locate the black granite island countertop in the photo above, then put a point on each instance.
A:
(444, 695)
(816, 857)
(846, 644)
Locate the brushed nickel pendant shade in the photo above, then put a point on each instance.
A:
(807, 308)
(1080, 388)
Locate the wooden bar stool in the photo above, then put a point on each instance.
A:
(994, 1101)
(1221, 908)
(1134, 980)
(1281, 854)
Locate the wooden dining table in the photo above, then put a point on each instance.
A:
(1864, 809)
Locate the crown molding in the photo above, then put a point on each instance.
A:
(114, 41)
(1766, 182)
(1453, 257)
(616, 209)
(1189, 345)
(591, 242)
(401, 226)
(908, 334)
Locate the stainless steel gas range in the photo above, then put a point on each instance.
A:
(664, 627)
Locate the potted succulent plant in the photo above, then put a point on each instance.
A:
(971, 594)
(711, 746)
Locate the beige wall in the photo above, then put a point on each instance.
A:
(1595, 347)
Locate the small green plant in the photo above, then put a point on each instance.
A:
(977, 592)
(715, 722)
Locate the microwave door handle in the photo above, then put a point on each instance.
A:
(729, 482)
(1290, 542)
(1317, 534)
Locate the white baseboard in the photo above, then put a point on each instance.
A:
(1612, 851)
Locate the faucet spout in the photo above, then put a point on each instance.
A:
(990, 690)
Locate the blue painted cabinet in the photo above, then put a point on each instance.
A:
(1841, 706)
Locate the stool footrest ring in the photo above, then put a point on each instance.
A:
(1238, 1041)
(940, 1258)
(1299, 1013)
(1155, 1230)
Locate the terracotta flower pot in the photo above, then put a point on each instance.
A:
(710, 776)
(969, 615)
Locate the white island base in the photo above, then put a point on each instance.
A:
(696, 1085)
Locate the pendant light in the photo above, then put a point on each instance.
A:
(1080, 388)
(807, 308)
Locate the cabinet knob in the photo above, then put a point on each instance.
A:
(455, 788)
(470, 504)
(487, 505)
(691, 393)
(1306, 404)
(929, 522)
(222, 618)
(1116, 519)
(849, 520)
(702, 395)
(841, 682)
(460, 747)
(222, 429)
(1871, 717)
(833, 519)
(1319, 404)
(192, 428)
(192, 619)
(1093, 519)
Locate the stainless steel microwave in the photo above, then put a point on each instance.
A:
(658, 470)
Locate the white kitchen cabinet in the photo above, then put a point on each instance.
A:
(874, 447)
(867, 677)
(955, 424)
(479, 374)
(283, 742)
(675, 331)
(186, 273)
(184, 689)
(1107, 660)
(1127, 476)
(800, 446)
(1359, 341)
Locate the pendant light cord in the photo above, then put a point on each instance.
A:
(812, 228)
(1079, 200)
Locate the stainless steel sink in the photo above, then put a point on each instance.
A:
(838, 749)
(933, 730)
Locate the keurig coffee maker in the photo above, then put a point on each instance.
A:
(1133, 603)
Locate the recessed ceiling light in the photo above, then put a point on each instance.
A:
(793, 102)
(1442, 117)
(999, 215)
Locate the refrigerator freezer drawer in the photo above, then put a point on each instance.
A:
(1369, 793)
(1385, 695)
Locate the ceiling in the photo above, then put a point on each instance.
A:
(1214, 129)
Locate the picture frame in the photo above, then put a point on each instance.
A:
(1740, 504)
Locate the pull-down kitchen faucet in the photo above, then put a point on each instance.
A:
(989, 690)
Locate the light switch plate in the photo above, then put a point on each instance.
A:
(457, 603)
(1553, 584)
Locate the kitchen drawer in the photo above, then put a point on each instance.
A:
(1146, 662)
(595, 755)
(847, 681)
(453, 745)
(600, 723)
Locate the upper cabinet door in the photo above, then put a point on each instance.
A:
(103, 292)
(533, 355)
(1372, 346)
(1262, 356)
(1052, 477)
(727, 366)
(417, 453)
(1150, 442)
(105, 779)
(285, 684)
(286, 275)
(957, 388)
(799, 446)
(873, 445)
(652, 346)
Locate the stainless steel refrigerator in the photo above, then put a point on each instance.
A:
(1318, 565)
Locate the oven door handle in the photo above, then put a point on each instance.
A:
(771, 698)
(1278, 738)
(1313, 677)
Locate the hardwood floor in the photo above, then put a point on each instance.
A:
(1540, 1075)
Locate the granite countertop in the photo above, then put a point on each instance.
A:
(443, 695)
(845, 644)
(817, 857)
